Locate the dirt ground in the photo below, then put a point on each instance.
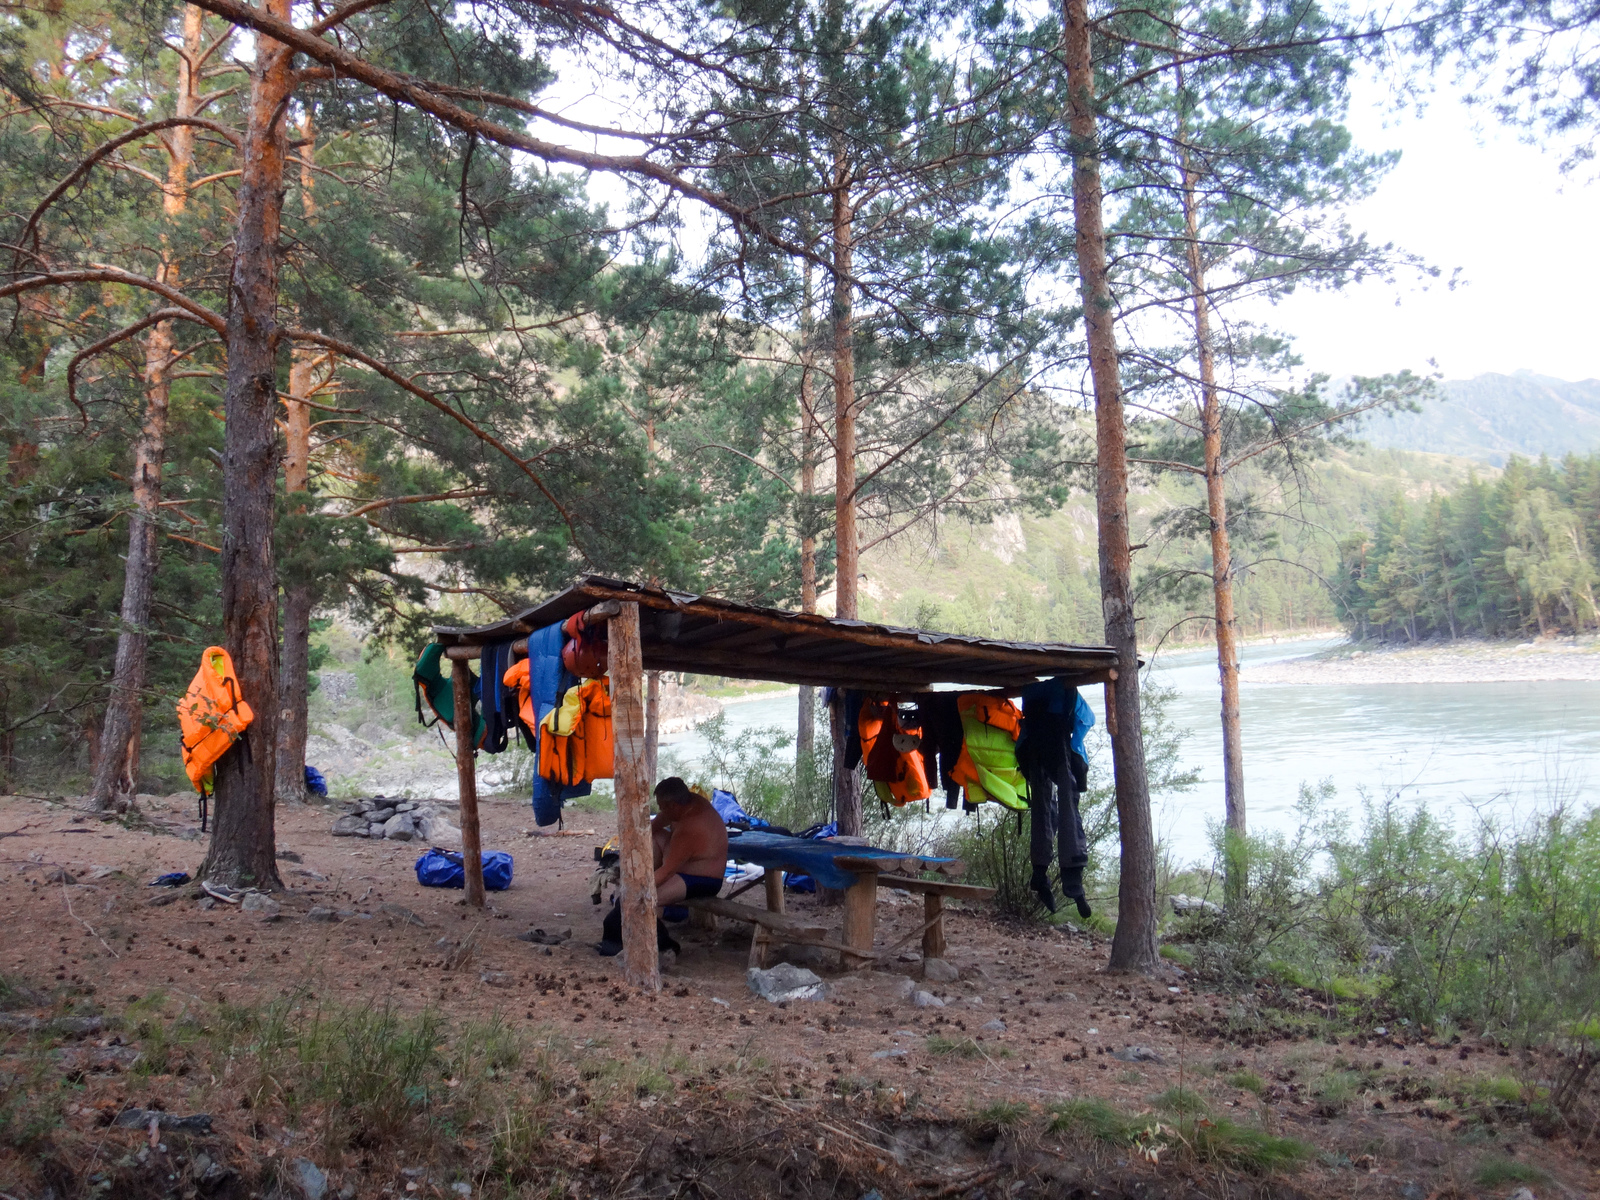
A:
(76, 917)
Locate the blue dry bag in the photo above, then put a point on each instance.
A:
(446, 869)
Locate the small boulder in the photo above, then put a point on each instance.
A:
(351, 826)
(936, 970)
(897, 1052)
(259, 902)
(926, 1000)
(404, 915)
(325, 916)
(379, 815)
(308, 1178)
(287, 855)
(1185, 905)
(60, 876)
(375, 831)
(785, 982)
(399, 828)
(994, 1026)
(1136, 1054)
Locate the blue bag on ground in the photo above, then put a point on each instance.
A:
(315, 783)
(447, 869)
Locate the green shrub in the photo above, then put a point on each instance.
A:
(1500, 930)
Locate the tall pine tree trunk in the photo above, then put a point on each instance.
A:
(295, 664)
(116, 776)
(242, 846)
(1133, 947)
(847, 795)
(1227, 624)
(806, 736)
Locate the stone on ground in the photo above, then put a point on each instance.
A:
(785, 982)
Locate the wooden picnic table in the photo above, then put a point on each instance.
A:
(860, 870)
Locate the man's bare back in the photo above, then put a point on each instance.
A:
(690, 840)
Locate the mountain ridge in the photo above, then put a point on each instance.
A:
(1491, 417)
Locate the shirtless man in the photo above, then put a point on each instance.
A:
(690, 843)
(691, 848)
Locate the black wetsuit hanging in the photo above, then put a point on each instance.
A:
(1057, 775)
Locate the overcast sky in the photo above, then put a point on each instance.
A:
(1472, 196)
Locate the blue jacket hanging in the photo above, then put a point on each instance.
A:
(548, 681)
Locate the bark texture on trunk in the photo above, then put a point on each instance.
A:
(116, 776)
(806, 736)
(242, 842)
(652, 723)
(295, 664)
(1227, 623)
(640, 963)
(847, 798)
(1133, 947)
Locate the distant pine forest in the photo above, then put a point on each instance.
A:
(1513, 557)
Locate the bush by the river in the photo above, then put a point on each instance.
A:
(1498, 929)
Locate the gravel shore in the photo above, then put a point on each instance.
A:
(1453, 662)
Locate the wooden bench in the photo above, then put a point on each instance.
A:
(772, 926)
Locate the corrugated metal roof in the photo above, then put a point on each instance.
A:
(711, 636)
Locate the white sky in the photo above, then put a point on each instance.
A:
(1466, 193)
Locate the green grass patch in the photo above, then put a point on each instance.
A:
(1496, 1172)
(1095, 1119)
(1336, 1091)
(948, 1047)
(1220, 1142)
(1180, 1100)
(1002, 1114)
(1182, 955)
(1497, 1089)
(1247, 1081)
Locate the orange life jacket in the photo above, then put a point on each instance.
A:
(892, 752)
(517, 677)
(211, 715)
(575, 737)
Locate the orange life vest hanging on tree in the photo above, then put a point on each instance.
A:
(211, 716)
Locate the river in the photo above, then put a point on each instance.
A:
(1506, 750)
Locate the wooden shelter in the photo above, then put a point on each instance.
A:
(657, 629)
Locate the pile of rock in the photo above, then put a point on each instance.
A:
(398, 821)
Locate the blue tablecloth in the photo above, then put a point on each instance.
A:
(815, 858)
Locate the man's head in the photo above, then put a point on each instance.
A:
(673, 796)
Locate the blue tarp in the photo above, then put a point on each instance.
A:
(814, 858)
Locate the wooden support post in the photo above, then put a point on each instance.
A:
(639, 961)
(860, 918)
(774, 881)
(933, 935)
(467, 782)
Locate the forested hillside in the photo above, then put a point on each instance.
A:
(1035, 578)
(1515, 556)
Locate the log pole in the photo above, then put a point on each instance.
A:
(467, 782)
(641, 966)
